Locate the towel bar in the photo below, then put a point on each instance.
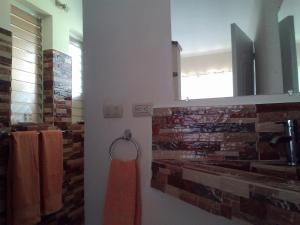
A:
(126, 137)
(5, 134)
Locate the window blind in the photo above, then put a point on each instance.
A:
(75, 50)
(26, 105)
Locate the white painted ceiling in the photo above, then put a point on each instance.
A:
(202, 26)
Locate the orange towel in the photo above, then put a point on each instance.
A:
(23, 193)
(123, 202)
(51, 171)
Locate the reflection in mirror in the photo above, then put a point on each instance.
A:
(289, 29)
(234, 48)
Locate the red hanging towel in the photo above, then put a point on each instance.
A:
(123, 202)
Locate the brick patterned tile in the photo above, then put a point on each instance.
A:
(159, 181)
(73, 195)
(5, 75)
(250, 207)
(224, 133)
(272, 116)
(57, 88)
(278, 107)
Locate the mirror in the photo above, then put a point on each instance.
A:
(225, 48)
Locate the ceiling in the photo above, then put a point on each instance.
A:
(203, 26)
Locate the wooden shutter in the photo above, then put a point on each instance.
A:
(75, 49)
(27, 82)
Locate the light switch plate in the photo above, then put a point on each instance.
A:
(113, 111)
(142, 109)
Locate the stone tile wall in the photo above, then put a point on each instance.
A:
(226, 132)
(5, 76)
(243, 197)
(234, 136)
(73, 190)
(57, 88)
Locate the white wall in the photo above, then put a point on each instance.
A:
(4, 14)
(269, 79)
(204, 25)
(127, 52)
(298, 52)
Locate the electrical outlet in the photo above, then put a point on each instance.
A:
(113, 111)
(142, 109)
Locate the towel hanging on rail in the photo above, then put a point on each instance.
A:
(23, 192)
(123, 198)
(51, 171)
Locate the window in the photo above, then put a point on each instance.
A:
(212, 85)
(27, 102)
(75, 51)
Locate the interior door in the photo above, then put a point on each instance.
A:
(242, 62)
(288, 54)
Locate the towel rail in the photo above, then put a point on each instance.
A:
(5, 134)
(126, 137)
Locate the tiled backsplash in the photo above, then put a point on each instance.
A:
(57, 88)
(220, 159)
(73, 190)
(249, 195)
(5, 76)
(221, 132)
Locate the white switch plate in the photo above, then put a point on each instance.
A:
(142, 109)
(113, 111)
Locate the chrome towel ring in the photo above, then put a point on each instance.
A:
(126, 137)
